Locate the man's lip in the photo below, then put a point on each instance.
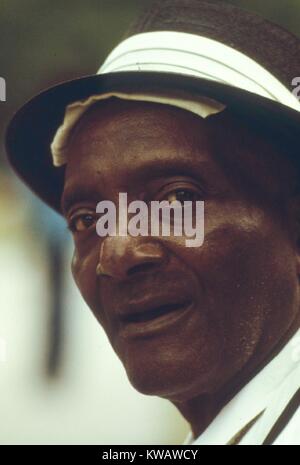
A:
(153, 323)
(149, 309)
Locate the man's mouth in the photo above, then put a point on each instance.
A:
(144, 319)
(154, 313)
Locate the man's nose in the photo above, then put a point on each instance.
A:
(123, 256)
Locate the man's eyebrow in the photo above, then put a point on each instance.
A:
(80, 193)
(160, 168)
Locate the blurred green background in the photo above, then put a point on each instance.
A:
(60, 382)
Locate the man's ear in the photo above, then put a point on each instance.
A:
(294, 225)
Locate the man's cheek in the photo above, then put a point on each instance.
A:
(75, 266)
(230, 271)
(84, 274)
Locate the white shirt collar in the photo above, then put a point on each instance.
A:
(269, 391)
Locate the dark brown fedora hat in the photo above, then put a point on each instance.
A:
(207, 48)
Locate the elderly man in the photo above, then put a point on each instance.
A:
(196, 104)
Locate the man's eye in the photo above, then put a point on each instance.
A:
(82, 222)
(183, 195)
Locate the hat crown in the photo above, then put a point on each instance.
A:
(265, 42)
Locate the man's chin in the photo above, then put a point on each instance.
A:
(170, 378)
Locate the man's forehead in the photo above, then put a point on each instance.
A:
(140, 137)
(136, 120)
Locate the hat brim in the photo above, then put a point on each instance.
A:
(33, 127)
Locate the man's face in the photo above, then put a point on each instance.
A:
(183, 320)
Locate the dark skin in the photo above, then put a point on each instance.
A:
(243, 282)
